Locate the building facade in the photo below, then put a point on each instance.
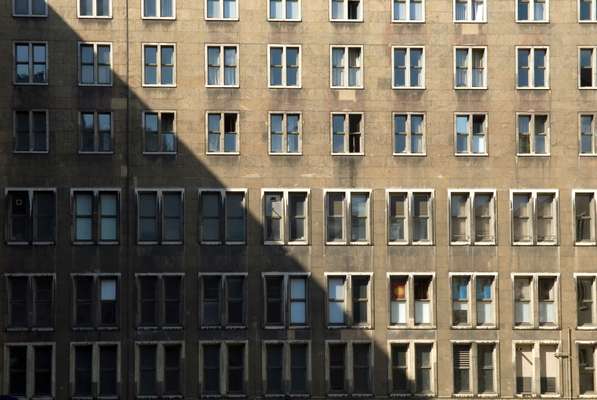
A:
(287, 198)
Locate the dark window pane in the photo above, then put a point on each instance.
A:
(361, 367)
(43, 371)
(108, 370)
(337, 367)
(211, 300)
(18, 301)
(274, 300)
(172, 299)
(211, 368)
(147, 369)
(298, 368)
(172, 369)
(84, 302)
(148, 300)
(236, 363)
(274, 368)
(83, 360)
(44, 294)
(17, 371)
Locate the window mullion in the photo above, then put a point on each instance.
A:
(222, 58)
(471, 222)
(284, 80)
(469, 130)
(346, 214)
(222, 133)
(159, 65)
(408, 130)
(285, 132)
(407, 67)
(532, 67)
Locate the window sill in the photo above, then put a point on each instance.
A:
(159, 153)
(30, 83)
(235, 19)
(284, 86)
(584, 244)
(158, 86)
(465, 155)
(458, 88)
(585, 21)
(532, 22)
(284, 19)
(407, 395)
(346, 20)
(30, 152)
(587, 87)
(526, 155)
(108, 328)
(222, 153)
(348, 154)
(469, 21)
(158, 18)
(587, 328)
(95, 84)
(43, 243)
(32, 329)
(587, 154)
(30, 16)
(408, 87)
(288, 154)
(222, 86)
(463, 395)
(405, 243)
(417, 327)
(361, 87)
(409, 154)
(532, 88)
(104, 17)
(94, 153)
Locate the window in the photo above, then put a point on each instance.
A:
(223, 368)
(470, 67)
(349, 367)
(95, 216)
(472, 217)
(287, 368)
(471, 377)
(586, 310)
(160, 216)
(532, 68)
(221, 10)
(471, 134)
(95, 64)
(29, 8)
(408, 64)
(284, 10)
(533, 134)
(526, 355)
(95, 129)
(158, 65)
(349, 300)
(223, 300)
(532, 10)
(584, 212)
(587, 11)
(95, 8)
(159, 131)
(587, 357)
(536, 300)
(222, 216)
(347, 67)
(30, 301)
(96, 301)
(586, 66)
(470, 11)
(347, 217)
(473, 300)
(31, 131)
(31, 216)
(346, 10)
(29, 370)
(285, 216)
(411, 367)
(534, 217)
(408, 11)
(409, 131)
(284, 66)
(411, 300)
(347, 133)
(285, 133)
(31, 63)
(588, 135)
(159, 9)
(285, 300)
(160, 301)
(95, 369)
(222, 65)
(159, 369)
(222, 133)
(410, 217)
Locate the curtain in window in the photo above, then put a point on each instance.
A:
(354, 67)
(338, 67)
(461, 14)
(416, 67)
(230, 66)
(229, 8)
(461, 67)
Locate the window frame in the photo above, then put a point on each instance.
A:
(160, 300)
(472, 300)
(469, 64)
(30, 113)
(94, 8)
(577, 345)
(285, 19)
(593, 13)
(159, 192)
(532, 13)
(222, 299)
(95, 366)
(96, 192)
(471, 216)
(593, 50)
(408, 65)
(474, 368)
(470, 133)
(536, 386)
(95, 45)
(223, 215)
(284, 47)
(586, 275)
(347, 216)
(30, 45)
(411, 367)
(410, 301)
(533, 193)
(535, 301)
(285, 225)
(469, 7)
(285, 115)
(31, 191)
(532, 117)
(96, 323)
(346, 133)
(221, 10)
(159, 367)
(286, 299)
(348, 367)
(361, 17)
(158, 11)
(159, 113)
(531, 67)
(30, 302)
(593, 116)
(30, 368)
(409, 20)
(286, 366)
(408, 131)
(96, 129)
(346, 66)
(410, 216)
(223, 367)
(221, 67)
(349, 300)
(158, 46)
(222, 115)
(593, 215)
(29, 9)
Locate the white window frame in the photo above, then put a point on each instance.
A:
(361, 17)
(31, 133)
(411, 367)
(348, 368)
(409, 20)
(593, 116)
(532, 116)
(472, 300)
(593, 50)
(96, 323)
(222, 298)
(532, 85)
(408, 66)
(95, 63)
(286, 299)
(410, 300)
(474, 368)
(347, 215)
(30, 379)
(286, 216)
(95, 366)
(222, 133)
(532, 19)
(223, 373)
(469, 66)
(284, 47)
(95, 216)
(221, 10)
(471, 216)
(96, 131)
(30, 217)
(593, 227)
(285, 115)
(409, 216)
(158, 8)
(159, 114)
(533, 200)
(408, 131)
(593, 276)
(285, 19)
(534, 294)
(159, 192)
(158, 47)
(94, 11)
(469, 8)
(223, 192)
(536, 384)
(346, 49)
(470, 134)
(221, 47)
(348, 300)
(346, 135)
(30, 44)
(30, 9)
(286, 366)
(593, 16)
